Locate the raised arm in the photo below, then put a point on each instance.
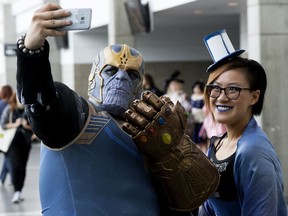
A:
(56, 113)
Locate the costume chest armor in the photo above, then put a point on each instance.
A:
(101, 173)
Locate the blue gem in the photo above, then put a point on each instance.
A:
(161, 121)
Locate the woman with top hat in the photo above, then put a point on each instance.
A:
(251, 181)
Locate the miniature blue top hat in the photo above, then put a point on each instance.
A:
(220, 48)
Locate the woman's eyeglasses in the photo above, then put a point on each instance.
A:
(231, 92)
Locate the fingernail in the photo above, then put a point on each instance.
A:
(67, 12)
(68, 22)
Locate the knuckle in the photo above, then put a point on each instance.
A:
(145, 109)
(35, 17)
(153, 100)
(51, 14)
(135, 118)
(130, 129)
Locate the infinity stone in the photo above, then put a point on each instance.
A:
(161, 121)
(168, 111)
(166, 138)
(143, 139)
(152, 130)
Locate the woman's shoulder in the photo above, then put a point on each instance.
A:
(6, 110)
(254, 139)
(255, 147)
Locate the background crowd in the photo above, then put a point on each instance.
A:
(16, 158)
(200, 125)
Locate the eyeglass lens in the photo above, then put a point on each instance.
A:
(230, 92)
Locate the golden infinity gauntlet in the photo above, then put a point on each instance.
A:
(183, 174)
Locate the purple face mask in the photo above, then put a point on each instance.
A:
(115, 78)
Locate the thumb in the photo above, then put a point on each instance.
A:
(181, 112)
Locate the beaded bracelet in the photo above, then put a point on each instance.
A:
(21, 46)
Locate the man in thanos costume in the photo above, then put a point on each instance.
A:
(89, 164)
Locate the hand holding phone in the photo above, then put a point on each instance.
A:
(80, 18)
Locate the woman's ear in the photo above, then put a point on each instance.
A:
(255, 97)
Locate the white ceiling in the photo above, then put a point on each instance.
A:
(179, 31)
(201, 12)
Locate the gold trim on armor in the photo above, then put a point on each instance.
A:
(92, 111)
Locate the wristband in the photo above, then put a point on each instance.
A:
(25, 50)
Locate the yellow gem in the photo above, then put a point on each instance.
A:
(166, 138)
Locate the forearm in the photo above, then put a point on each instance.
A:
(62, 121)
(11, 125)
(34, 78)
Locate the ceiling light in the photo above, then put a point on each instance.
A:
(198, 12)
(232, 4)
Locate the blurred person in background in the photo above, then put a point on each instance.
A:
(175, 91)
(6, 92)
(18, 152)
(197, 103)
(210, 128)
(149, 84)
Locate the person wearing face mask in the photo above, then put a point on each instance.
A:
(89, 165)
(251, 181)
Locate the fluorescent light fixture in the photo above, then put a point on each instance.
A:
(198, 12)
(158, 5)
(232, 4)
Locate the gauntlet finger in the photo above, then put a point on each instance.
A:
(181, 112)
(136, 119)
(166, 100)
(144, 109)
(130, 129)
(153, 100)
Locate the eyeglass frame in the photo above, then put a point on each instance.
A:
(239, 89)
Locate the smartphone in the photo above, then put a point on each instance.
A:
(80, 17)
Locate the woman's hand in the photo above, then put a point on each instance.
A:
(43, 24)
(15, 124)
(25, 124)
(18, 122)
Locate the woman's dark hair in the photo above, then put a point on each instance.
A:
(200, 84)
(149, 79)
(256, 77)
(174, 77)
(6, 92)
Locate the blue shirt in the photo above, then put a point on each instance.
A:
(3, 104)
(99, 173)
(258, 178)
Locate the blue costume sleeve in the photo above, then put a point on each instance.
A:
(258, 177)
(206, 210)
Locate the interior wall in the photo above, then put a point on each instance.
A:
(160, 71)
(82, 72)
(189, 72)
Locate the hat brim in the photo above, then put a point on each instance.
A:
(221, 61)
